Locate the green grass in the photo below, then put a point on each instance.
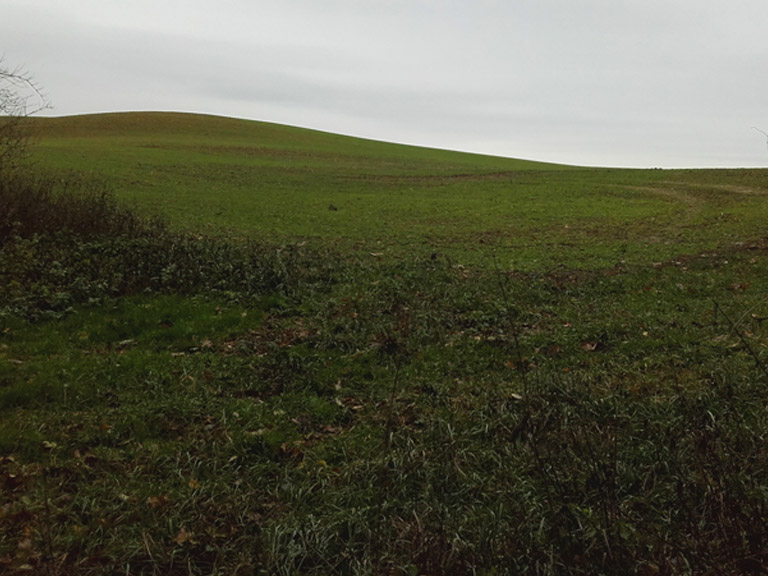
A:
(550, 370)
(218, 176)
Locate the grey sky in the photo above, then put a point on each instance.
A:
(669, 83)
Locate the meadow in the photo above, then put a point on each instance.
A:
(232, 347)
(218, 176)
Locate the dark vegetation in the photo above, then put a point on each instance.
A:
(66, 242)
(176, 404)
(405, 418)
(66, 208)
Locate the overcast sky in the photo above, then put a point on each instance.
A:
(670, 83)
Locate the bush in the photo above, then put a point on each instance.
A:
(35, 206)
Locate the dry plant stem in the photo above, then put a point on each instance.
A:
(390, 428)
(48, 520)
(738, 333)
(512, 324)
(749, 311)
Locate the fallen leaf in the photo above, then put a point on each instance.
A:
(159, 501)
(552, 350)
(182, 537)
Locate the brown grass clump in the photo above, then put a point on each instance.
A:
(35, 206)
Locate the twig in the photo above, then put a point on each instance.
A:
(735, 329)
(761, 132)
(749, 310)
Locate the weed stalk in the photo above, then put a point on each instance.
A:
(512, 323)
(759, 363)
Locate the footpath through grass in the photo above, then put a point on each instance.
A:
(171, 404)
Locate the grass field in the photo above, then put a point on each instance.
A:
(219, 176)
(352, 357)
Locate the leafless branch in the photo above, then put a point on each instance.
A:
(19, 93)
(20, 97)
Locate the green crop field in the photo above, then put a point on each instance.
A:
(219, 176)
(232, 347)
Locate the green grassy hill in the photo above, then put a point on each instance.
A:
(215, 176)
(425, 362)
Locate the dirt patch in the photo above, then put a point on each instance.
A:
(673, 193)
(728, 188)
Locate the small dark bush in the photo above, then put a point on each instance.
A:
(36, 206)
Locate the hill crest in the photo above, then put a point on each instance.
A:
(220, 129)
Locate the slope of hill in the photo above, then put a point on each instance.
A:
(214, 175)
(268, 142)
